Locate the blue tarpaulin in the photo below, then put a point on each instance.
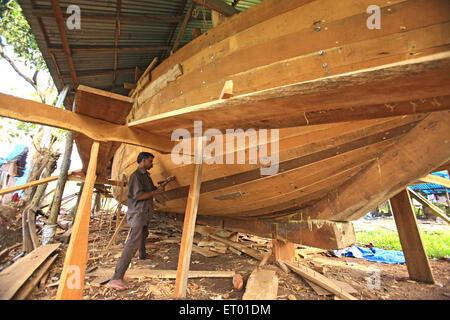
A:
(18, 149)
(372, 254)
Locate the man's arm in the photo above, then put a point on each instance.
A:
(150, 194)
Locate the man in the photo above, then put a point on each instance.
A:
(141, 191)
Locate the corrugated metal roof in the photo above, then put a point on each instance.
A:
(432, 188)
(101, 33)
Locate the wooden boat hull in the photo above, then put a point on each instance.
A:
(272, 46)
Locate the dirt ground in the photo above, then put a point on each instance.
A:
(163, 247)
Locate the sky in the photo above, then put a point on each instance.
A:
(11, 83)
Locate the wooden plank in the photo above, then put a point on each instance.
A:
(72, 276)
(13, 277)
(160, 83)
(30, 184)
(28, 287)
(338, 14)
(261, 285)
(320, 280)
(375, 185)
(162, 274)
(189, 223)
(322, 292)
(286, 106)
(434, 209)
(32, 111)
(431, 178)
(144, 78)
(408, 231)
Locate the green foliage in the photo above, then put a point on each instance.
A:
(15, 31)
(437, 243)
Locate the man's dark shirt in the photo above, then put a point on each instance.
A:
(138, 210)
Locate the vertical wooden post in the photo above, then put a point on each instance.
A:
(190, 216)
(410, 239)
(71, 283)
(281, 248)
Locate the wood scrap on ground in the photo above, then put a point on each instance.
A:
(261, 285)
(204, 252)
(34, 280)
(320, 280)
(13, 277)
(251, 252)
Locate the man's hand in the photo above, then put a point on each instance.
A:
(161, 188)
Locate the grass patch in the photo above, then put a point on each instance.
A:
(437, 243)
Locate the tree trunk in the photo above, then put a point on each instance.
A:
(30, 240)
(50, 228)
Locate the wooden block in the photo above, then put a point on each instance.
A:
(13, 277)
(261, 285)
(227, 91)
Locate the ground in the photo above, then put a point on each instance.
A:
(163, 245)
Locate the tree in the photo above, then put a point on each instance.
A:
(16, 33)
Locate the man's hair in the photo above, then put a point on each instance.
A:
(144, 155)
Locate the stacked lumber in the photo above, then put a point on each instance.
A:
(18, 280)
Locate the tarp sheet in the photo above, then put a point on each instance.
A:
(372, 254)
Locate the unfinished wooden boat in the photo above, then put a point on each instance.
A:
(355, 107)
(362, 109)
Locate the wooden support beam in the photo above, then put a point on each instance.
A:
(434, 209)
(219, 6)
(189, 223)
(30, 184)
(62, 32)
(71, 283)
(183, 26)
(36, 112)
(409, 234)
(382, 179)
(431, 178)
